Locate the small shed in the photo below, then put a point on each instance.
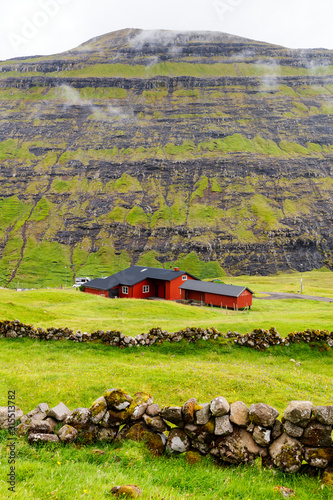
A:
(217, 294)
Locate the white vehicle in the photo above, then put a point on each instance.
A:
(80, 281)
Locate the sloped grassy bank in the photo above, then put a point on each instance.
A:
(78, 311)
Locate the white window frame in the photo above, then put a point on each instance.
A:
(145, 289)
(125, 290)
(184, 277)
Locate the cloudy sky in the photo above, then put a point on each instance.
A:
(31, 27)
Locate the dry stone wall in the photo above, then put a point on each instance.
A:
(259, 339)
(231, 432)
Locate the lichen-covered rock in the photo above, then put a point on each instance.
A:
(200, 433)
(43, 407)
(42, 438)
(318, 457)
(239, 414)
(193, 457)
(286, 453)
(153, 440)
(107, 435)
(285, 492)
(40, 427)
(117, 399)
(114, 418)
(59, 412)
(223, 426)
(219, 406)
(22, 430)
(172, 414)
(292, 429)
(33, 416)
(18, 413)
(88, 435)
(203, 448)
(263, 415)
(188, 410)
(80, 418)
(317, 435)
(98, 410)
(327, 477)
(239, 447)
(298, 412)
(261, 435)
(126, 491)
(153, 410)
(277, 429)
(155, 423)
(139, 404)
(323, 414)
(67, 434)
(202, 415)
(178, 441)
(53, 423)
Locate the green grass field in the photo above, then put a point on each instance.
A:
(318, 283)
(79, 373)
(67, 307)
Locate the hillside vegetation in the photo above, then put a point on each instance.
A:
(147, 147)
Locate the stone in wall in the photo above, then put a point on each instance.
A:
(263, 414)
(286, 453)
(239, 414)
(239, 447)
(298, 412)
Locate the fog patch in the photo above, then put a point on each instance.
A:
(103, 113)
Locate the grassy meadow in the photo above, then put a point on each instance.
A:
(76, 310)
(318, 283)
(79, 373)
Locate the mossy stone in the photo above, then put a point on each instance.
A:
(126, 491)
(98, 410)
(139, 432)
(117, 399)
(193, 457)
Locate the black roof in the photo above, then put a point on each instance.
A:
(133, 275)
(217, 288)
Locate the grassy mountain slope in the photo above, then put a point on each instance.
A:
(202, 149)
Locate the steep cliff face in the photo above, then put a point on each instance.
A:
(156, 147)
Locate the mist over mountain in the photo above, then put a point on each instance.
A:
(201, 149)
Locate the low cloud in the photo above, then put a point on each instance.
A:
(106, 113)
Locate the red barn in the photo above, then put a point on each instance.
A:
(217, 294)
(139, 282)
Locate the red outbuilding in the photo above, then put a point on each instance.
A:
(217, 294)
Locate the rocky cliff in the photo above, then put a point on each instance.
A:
(204, 149)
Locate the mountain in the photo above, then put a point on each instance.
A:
(198, 149)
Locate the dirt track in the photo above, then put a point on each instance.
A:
(277, 296)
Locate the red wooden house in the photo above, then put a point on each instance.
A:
(139, 282)
(217, 294)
